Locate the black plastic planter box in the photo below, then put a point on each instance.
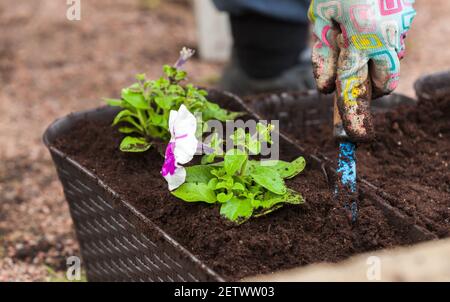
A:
(118, 243)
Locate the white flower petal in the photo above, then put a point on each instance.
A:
(182, 126)
(184, 123)
(185, 149)
(172, 118)
(177, 179)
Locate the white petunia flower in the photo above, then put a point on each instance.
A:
(181, 148)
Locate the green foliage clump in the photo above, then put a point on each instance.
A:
(244, 188)
(146, 107)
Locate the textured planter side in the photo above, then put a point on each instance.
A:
(117, 242)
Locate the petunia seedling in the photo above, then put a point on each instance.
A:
(146, 106)
(243, 188)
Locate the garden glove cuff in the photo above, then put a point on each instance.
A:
(358, 46)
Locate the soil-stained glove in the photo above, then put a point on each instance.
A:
(358, 46)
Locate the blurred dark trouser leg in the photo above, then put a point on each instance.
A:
(269, 38)
(287, 10)
(264, 46)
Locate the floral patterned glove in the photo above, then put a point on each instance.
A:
(357, 52)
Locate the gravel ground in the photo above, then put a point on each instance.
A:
(50, 67)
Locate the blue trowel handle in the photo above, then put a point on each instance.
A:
(346, 165)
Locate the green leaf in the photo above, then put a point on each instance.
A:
(135, 87)
(238, 137)
(297, 166)
(216, 144)
(164, 102)
(233, 160)
(134, 144)
(228, 183)
(286, 169)
(135, 99)
(272, 202)
(208, 158)
(291, 197)
(129, 119)
(222, 197)
(199, 173)
(161, 83)
(114, 102)
(213, 183)
(256, 203)
(253, 145)
(264, 132)
(269, 179)
(238, 187)
(158, 120)
(169, 71)
(128, 130)
(219, 173)
(140, 77)
(237, 210)
(195, 192)
(121, 115)
(212, 111)
(176, 90)
(202, 92)
(180, 75)
(256, 189)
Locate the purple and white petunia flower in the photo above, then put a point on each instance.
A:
(181, 148)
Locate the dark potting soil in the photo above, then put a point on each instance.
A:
(316, 231)
(409, 159)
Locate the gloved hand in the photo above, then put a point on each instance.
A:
(357, 53)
